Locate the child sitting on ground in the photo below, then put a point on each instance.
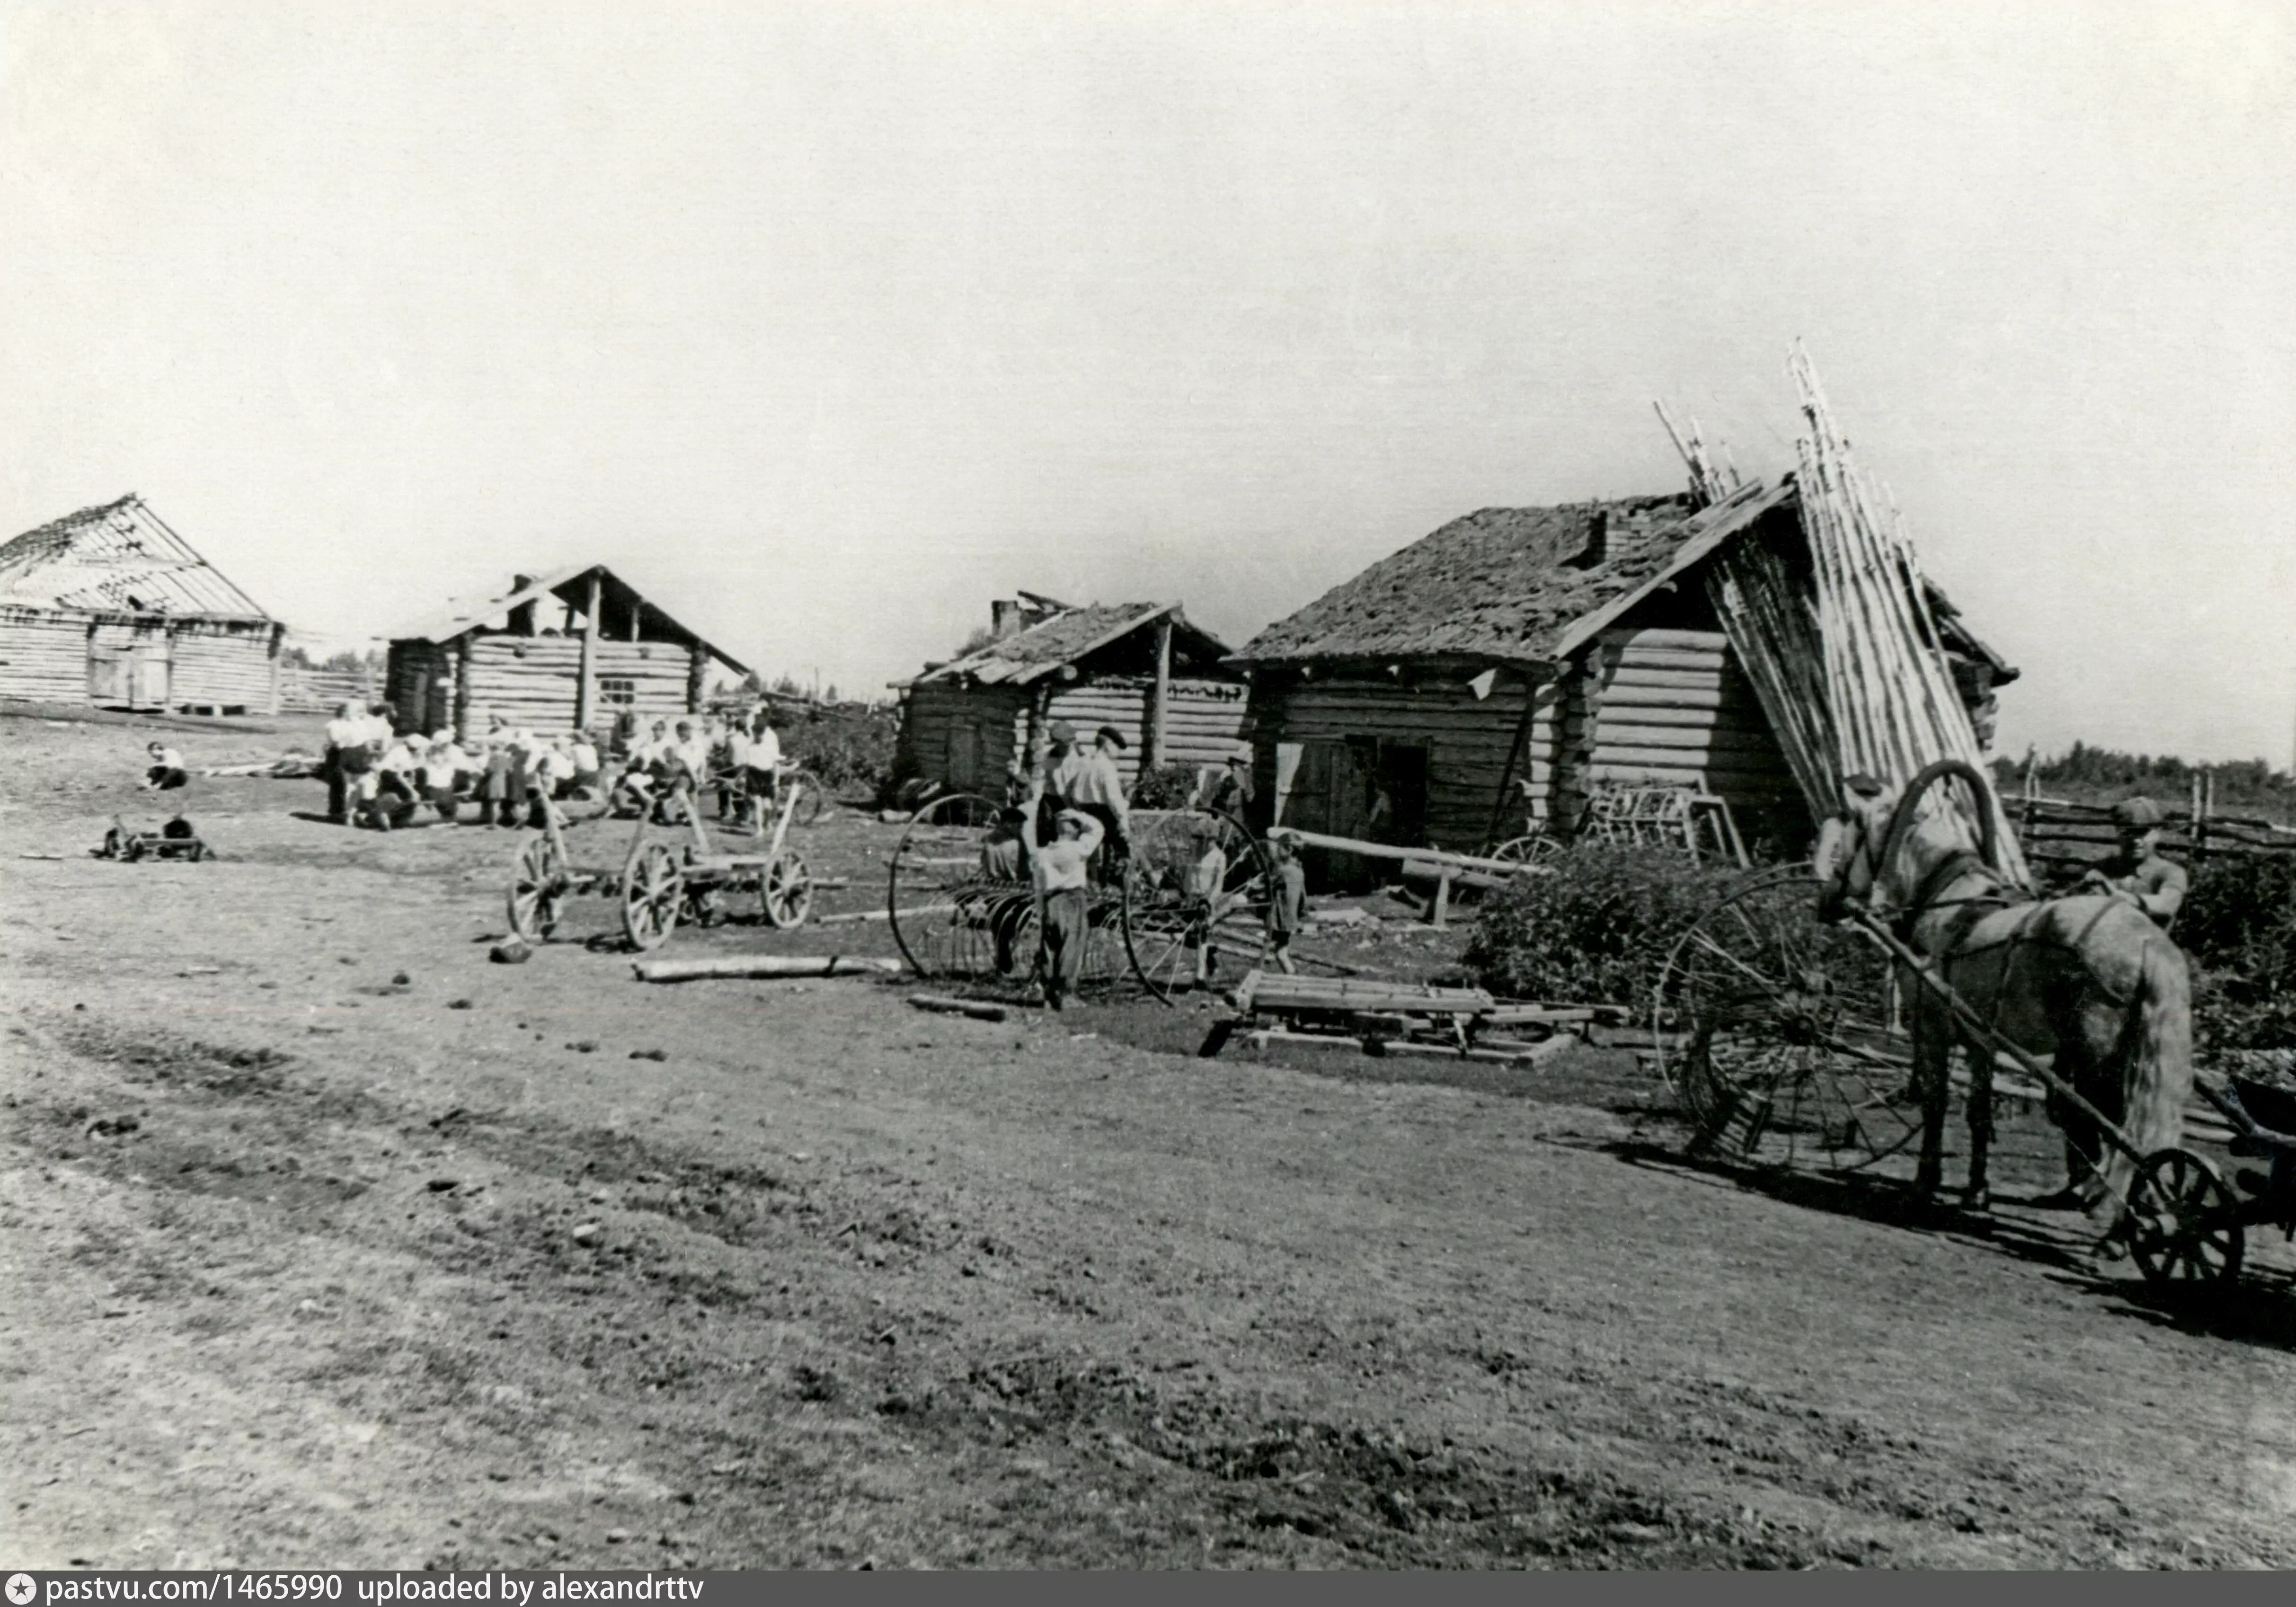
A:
(166, 771)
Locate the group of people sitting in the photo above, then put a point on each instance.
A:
(380, 777)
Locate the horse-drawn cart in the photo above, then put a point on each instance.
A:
(1789, 1039)
(660, 882)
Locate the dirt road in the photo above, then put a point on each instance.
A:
(329, 1242)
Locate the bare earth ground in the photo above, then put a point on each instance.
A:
(291, 1274)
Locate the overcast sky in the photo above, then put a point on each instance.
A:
(826, 323)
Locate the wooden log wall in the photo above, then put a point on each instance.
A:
(534, 681)
(962, 736)
(1467, 741)
(223, 666)
(1665, 707)
(43, 655)
(1203, 720)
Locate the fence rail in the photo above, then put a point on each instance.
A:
(2060, 830)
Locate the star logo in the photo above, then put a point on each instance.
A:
(21, 1588)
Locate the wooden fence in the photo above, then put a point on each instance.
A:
(2057, 830)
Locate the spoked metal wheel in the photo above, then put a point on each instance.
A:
(785, 890)
(2183, 1223)
(652, 890)
(1779, 1034)
(537, 889)
(958, 893)
(962, 906)
(1197, 900)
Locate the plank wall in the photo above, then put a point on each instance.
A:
(43, 655)
(1467, 741)
(225, 666)
(534, 681)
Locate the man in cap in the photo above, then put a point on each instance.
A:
(1231, 791)
(1096, 787)
(2135, 871)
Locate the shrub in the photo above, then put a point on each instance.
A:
(1168, 787)
(1596, 930)
(2239, 926)
(848, 745)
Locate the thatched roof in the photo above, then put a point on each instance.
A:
(118, 558)
(1070, 636)
(1501, 584)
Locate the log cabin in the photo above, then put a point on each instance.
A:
(565, 652)
(1140, 667)
(1488, 678)
(110, 606)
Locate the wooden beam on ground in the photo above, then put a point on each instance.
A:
(765, 966)
(977, 1009)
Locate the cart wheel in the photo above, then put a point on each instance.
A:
(537, 889)
(651, 892)
(1534, 848)
(1197, 899)
(1779, 1033)
(812, 798)
(2184, 1224)
(785, 892)
(954, 896)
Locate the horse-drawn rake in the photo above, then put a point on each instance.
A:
(658, 884)
(1189, 904)
(1786, 1038)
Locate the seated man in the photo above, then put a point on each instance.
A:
(444, 775)
(387, 793)
(165, 771)
(588, 782)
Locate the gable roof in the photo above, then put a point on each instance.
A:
(120, 557)
(617, 599)
(1042, 648)
(1500, 584)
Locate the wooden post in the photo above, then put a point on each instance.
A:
(1530, 688)
(1160, 695)
(697, 669)
(462, 686)
(585, 690)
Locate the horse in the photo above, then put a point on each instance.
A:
(2088, 979)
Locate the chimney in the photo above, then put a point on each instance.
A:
(521, 617)
(1006, 618)
(1597, 549)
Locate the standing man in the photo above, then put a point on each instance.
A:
(1096, 787)
(765, 767)
(2136, 872)
(1231, 791)
(1059, 869)
(346, 758)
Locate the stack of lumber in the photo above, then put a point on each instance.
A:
(1847, 659)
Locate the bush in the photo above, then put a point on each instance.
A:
(848, 745)
(1168, 787)
(1596, 930)
(2239, 926)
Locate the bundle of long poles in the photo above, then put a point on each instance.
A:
(1890, 696)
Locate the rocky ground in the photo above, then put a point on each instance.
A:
(327, 1242)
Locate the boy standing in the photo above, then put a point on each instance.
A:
(1058, 868)
(1290, 906)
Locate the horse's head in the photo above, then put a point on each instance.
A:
(1881, 846)
(1850, 843)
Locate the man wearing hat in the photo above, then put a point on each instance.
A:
(2135, 871)
(1230, 792)
(1096, 786)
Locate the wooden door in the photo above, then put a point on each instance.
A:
(148, 676)
(108, 684)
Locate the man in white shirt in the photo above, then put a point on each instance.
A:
(589, 778)
(444, 766)
(387, 793)
(347, 758)
(167, 768)
(1060, 869)
(1096, 786)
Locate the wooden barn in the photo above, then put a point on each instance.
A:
(110, 606)
(557, 652)
(1566, 648)
(1140, 667)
